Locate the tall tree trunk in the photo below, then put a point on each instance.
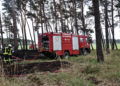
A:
(55, 15)
(68, 25)
(23, 25)
(113, 35)
(106, 27)
(83, 19)
(33, 29)
(45, 19)
(71, 24)
(119, 14)
(61, 16)
(30, 32)
(66, 19)
(14, 25)
(33, 33)
(1, 31)
(25, 33)
(75, 15)
(103, 40)
(20, 41)
(22, 28)
(50, 27)
(91, 46)
(41, 2)
(7, 36)
(100, 56)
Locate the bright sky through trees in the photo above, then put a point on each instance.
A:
(117, 29)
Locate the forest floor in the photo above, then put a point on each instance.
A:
(74, 71)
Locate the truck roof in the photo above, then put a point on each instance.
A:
(54, 33)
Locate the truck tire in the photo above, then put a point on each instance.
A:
(49, 55)
(85, 52)
(66, 55)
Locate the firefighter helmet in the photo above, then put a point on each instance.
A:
(9, 45)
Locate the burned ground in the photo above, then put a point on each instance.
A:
(28, 68)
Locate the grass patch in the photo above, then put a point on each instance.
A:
(115, 76)
(90, 69)
(94, 45)
(77, 81)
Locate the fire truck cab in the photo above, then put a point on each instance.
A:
(63, 44)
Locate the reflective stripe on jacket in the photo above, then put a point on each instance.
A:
(5, 51)
(7, 60)
(10, 51)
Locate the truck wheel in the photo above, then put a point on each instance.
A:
(66, 55)
(85, 52)
(49, 55)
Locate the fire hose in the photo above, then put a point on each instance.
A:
(22, 75)
(18, 58)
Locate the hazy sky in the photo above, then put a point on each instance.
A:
(117, 29)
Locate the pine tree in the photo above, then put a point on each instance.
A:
(100, 56)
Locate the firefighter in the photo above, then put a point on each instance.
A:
(7, 54)
(10, 52)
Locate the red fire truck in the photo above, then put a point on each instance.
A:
(63, 44)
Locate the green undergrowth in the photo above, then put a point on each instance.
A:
(94, 45)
